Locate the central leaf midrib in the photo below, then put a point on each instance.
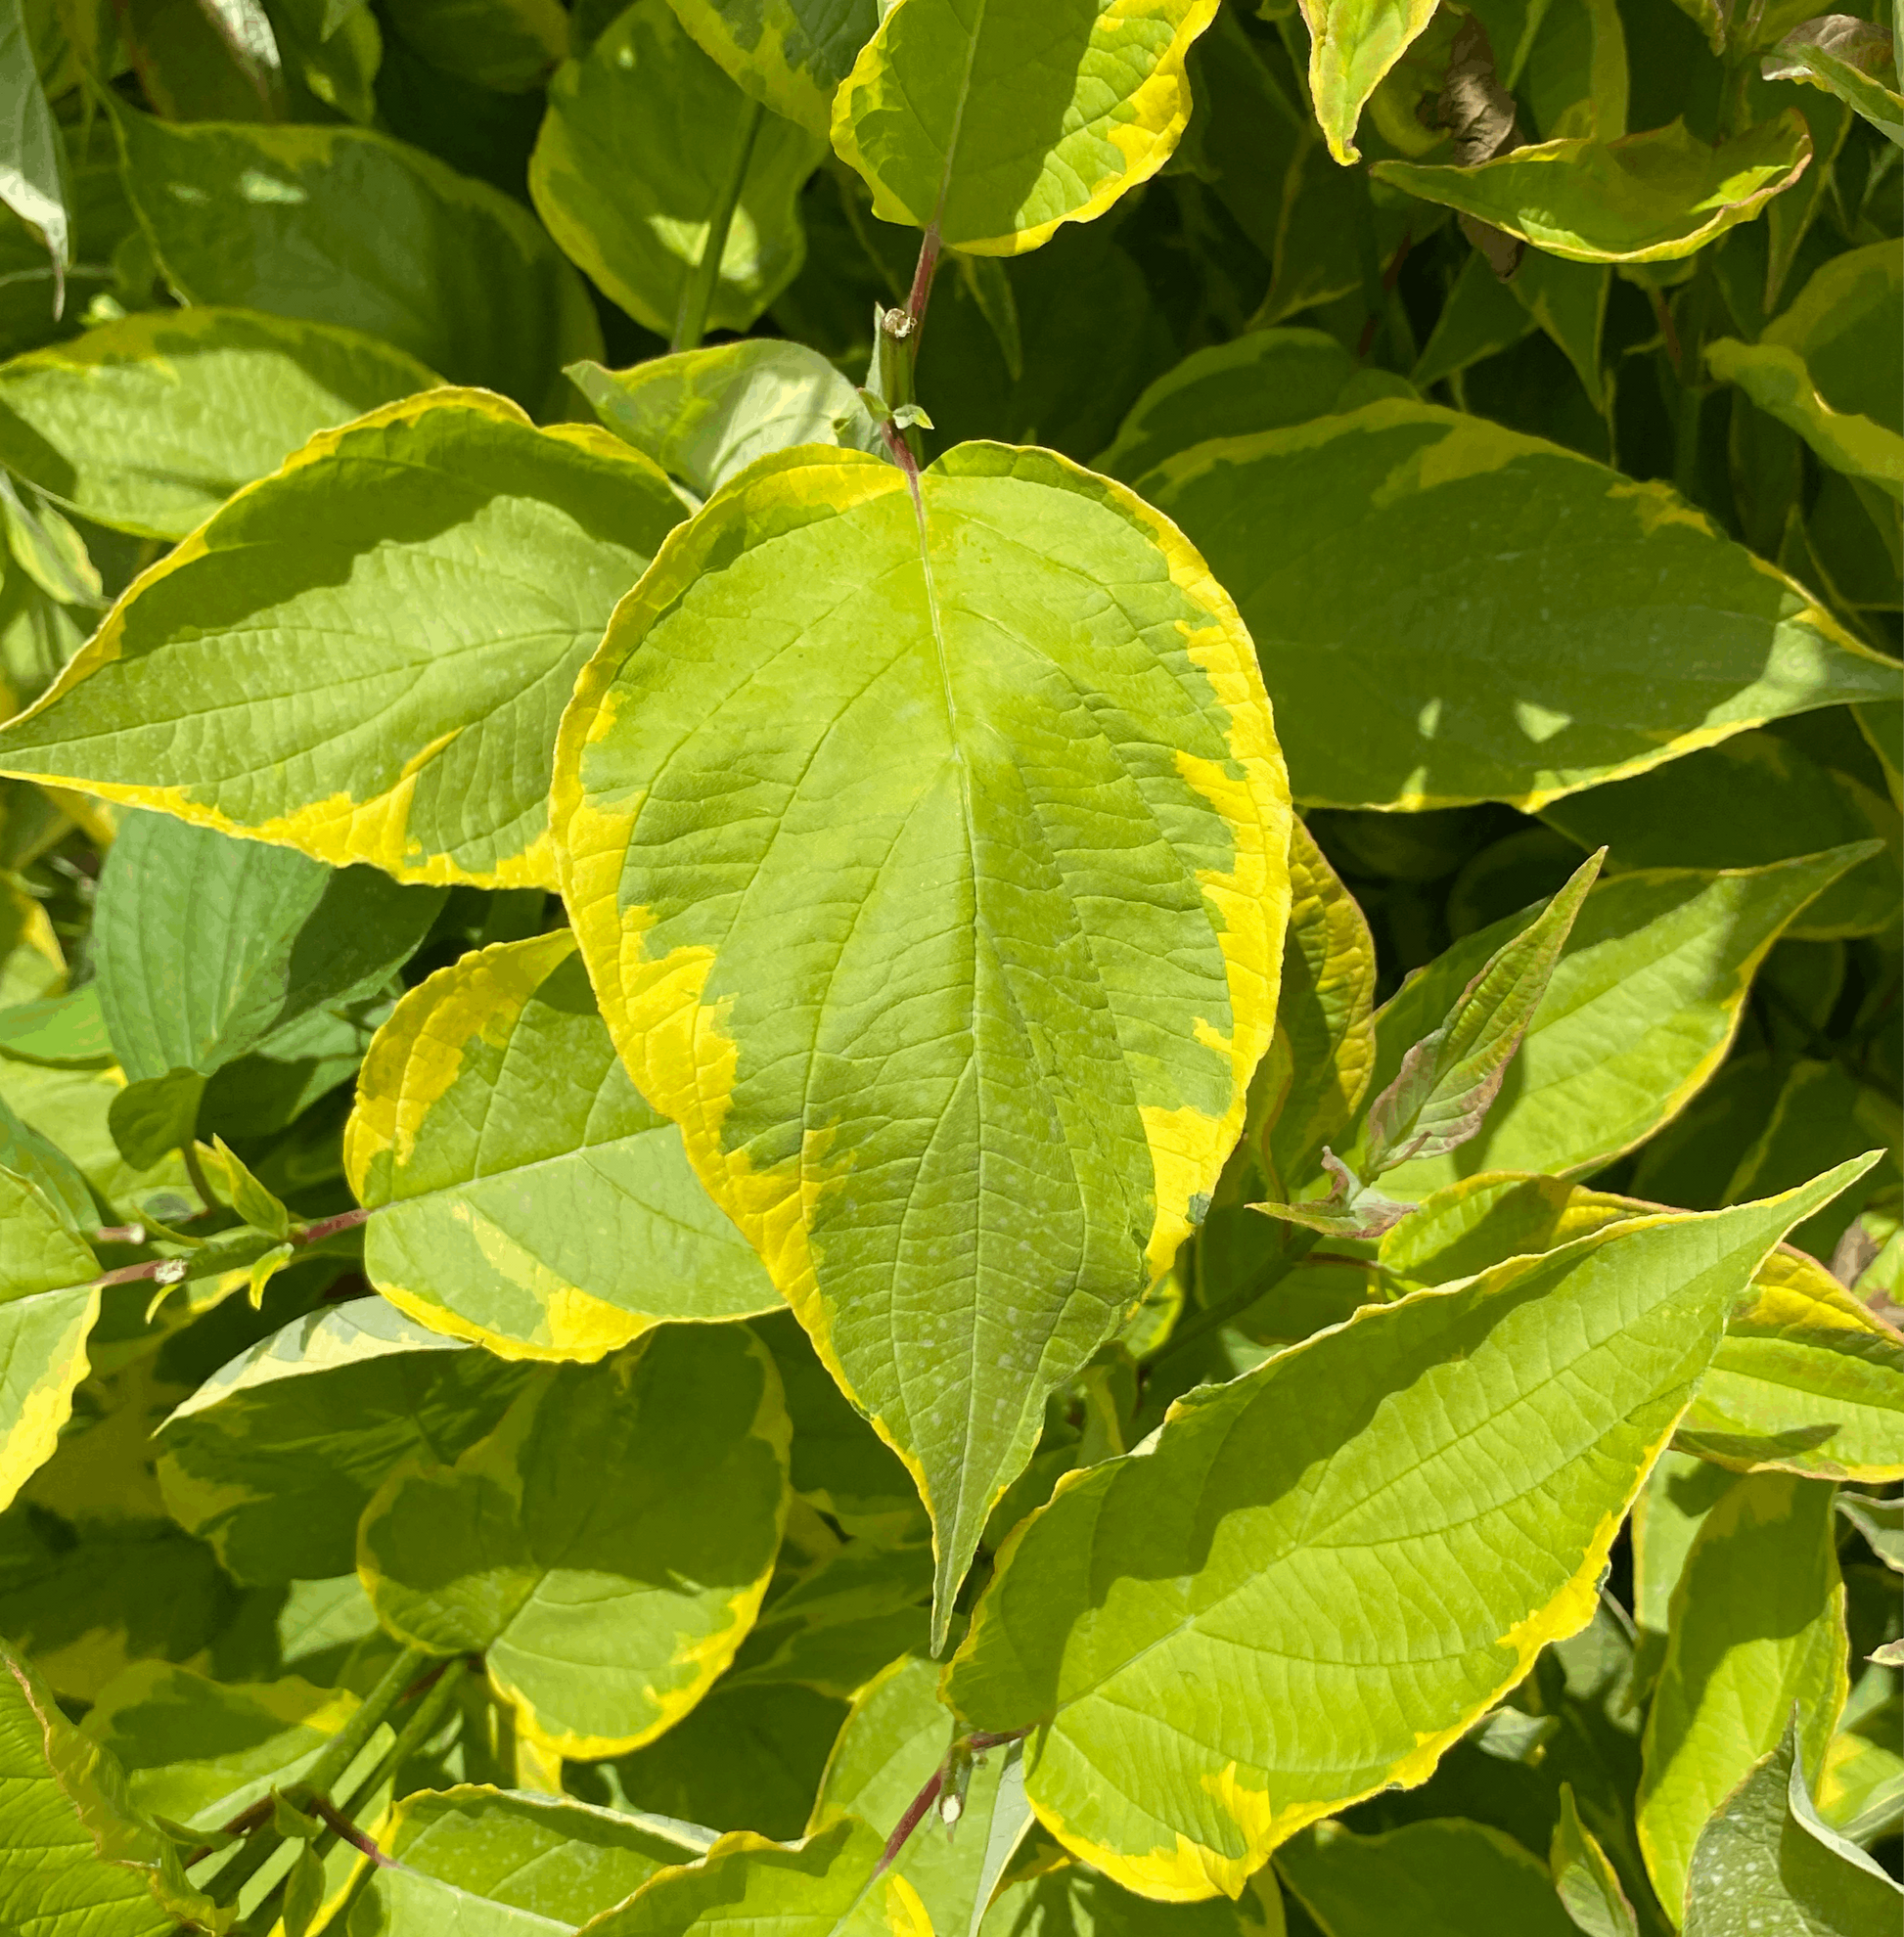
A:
(945, 177)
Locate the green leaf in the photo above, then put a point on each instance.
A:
(822, 1887)
(1618, 628)
(1849, 57)
(359, 734)
(507, 45)
(341, 225)
(962, 132)
(1757, 1623)
(884, 975)
(198, 1752)
(72, 1109)
(205, 946)
(48, 550)
(48, 1302)
(637, 152)
(1569, 300)
(149, 424)
(71, 1841)
(706, 415)
(791, 55)
(1648, 198)
(1810, 1379)
(1444, 1879)
(839, 1623)
(1586, 1882)
(1352, 45)
(257, 1205)
(154, 1115)
(1254, 1547)
(1448, 1080)
(1881, 1522)
(1821, 1105)
(62, 1031)
(841, 1464)
(1750, 800)
(1482, 317)
(742, 1759)
(1639, 1011)
(1259, 382)
(1820, 370)
(607, 1546)
(1075, 1902)
(895, 1740)
(1766, 1867)
(33, 179)
(273, 1458)
(43, 1164)
(1312, 1081)
(486, 1862)
(526, 1198)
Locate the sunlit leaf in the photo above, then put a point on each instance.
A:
(526, 1198)
(790, 53)
(963, 129)
(871, 972)
(1217, 1620)
(1649, 197)
(1497, 618)
(1586, 1882)
(365, 728)
(70, 1838)
(1855, 59)
(48, 1302)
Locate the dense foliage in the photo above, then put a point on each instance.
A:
(1065, 1097)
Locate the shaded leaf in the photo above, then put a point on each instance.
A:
(960, 133)
(205, 947)
(706, 414)
(903, 939)
(507, 45)
(1648, 198)
(1766, 1867)
(895, 1740)
(197, 1751)
(526, 1198)
(33, 178)
(1753, 798)
(1758, 1624)
(841, 1622)
(1815, 371)
(640, 143)
(1440, 1878)
(1254, 1547)
(489, 1863)
(149, 424)
(607, 1546)
(154, 1115)
(1586, 1882)
(341, 225)
(1503, 621)
(273, 1458)
(364, 734)
(1260, 381)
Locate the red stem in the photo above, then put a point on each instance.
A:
(336, 1821)
(310, 1234)
(912, 1819)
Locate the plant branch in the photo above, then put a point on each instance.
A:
(326, 1770)
(698, 294)
(961, 1751)
(201, 1183)
(213, 1258)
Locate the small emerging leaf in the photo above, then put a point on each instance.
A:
(1449, 1079)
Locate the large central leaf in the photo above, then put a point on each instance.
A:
(926, 849)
